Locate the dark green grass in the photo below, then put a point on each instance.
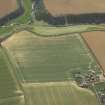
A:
(49, 59)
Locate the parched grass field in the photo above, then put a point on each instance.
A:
(43, 59)
(59, 93)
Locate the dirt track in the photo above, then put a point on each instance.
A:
(7, 6)
(96, 41)
(62, 7)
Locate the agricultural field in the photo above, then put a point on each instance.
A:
(59, 93)
(40, 63)
(10, 93)
(64, 7)
(7, 6)
(43, 59)
(96, 42)
(7, 84)
(46, 66)
(12, 101)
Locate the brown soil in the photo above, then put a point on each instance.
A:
(96, 42)
(7, 6)
(63, 7)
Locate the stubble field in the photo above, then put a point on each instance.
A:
(7, 6)
(62, 7)
(96, 42)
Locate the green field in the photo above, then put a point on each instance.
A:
(9, 89)
(59, 31)
(59, 93)
(11, 26)
(49, 59)
(12, 101)
(45, 68)
(37, 65)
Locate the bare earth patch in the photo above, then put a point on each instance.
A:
(96, 42)
(62, 7)
(7, 6)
